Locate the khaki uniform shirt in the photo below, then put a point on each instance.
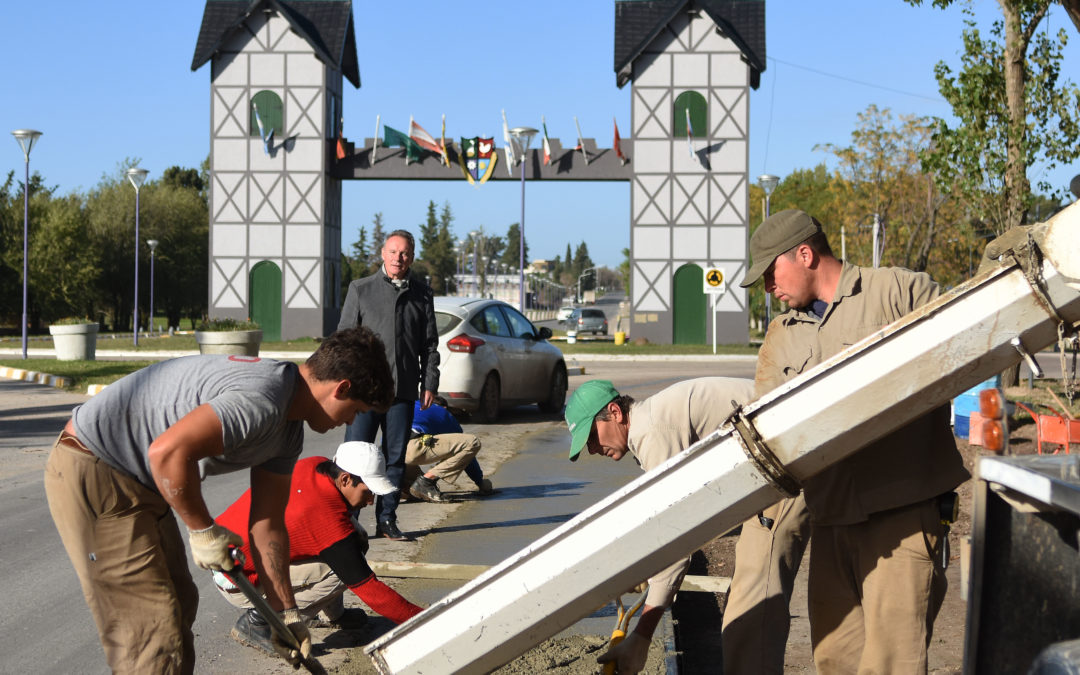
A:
(669, 422)
(913, 463)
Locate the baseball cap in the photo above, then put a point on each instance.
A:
(365, 460)
(589, 399)
(778, 234)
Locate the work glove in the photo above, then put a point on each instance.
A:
(629, 655)
(210, 547)
(427, 440)
(295, 623)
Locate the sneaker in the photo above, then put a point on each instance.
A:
(426, 489)
(352, 619)
(389, 530)
(252, 631)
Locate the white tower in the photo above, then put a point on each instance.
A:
(275, 111)
(692, 64)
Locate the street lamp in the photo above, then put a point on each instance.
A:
(524, 136)
(26, 139)
(137, 176)
(152, 243)
(768, 183)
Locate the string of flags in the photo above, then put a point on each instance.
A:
(478, 155)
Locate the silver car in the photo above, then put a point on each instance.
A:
(493, 358)
(587, 320)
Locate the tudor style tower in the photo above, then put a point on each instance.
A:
(275, 109)
(696, 60)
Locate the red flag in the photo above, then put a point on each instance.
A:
(340, 148)
(615, 143)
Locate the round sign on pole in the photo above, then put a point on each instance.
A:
(714, 280)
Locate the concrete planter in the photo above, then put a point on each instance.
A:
(75, 342)
(239, 342)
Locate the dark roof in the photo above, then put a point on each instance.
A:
(327, 25)
(639, 22)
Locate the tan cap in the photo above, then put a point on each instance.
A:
(779, 233)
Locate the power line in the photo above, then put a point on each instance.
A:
(854, 81)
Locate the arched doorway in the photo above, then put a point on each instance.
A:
(265, 299)
(689, 306)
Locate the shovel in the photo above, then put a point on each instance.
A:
(236, 575)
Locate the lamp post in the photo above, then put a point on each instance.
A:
(137, 176)
(153, 244)
(524, 136)
(26, 139)
(768, 183)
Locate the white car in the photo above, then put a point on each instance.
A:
(492, 358)
(564, 313)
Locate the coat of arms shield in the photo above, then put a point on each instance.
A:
(477, 158)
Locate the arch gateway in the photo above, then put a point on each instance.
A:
(277, 73)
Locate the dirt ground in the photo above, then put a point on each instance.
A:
(698, 616)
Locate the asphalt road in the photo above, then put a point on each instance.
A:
(46, 625)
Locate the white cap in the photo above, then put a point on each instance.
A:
(365, 460)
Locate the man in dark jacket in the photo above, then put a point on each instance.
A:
(398, 306)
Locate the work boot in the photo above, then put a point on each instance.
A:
(484, 487)
(389, 529)
(253, 631)
(425, 488)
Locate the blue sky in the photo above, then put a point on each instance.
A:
(106, 81)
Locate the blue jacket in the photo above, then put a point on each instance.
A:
(435, 420)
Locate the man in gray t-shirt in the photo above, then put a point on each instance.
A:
(139, 449)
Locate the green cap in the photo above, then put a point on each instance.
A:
(589, 399)
(779, 233)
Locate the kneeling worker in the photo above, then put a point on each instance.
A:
(654, 430)
(326, 550)
(437, 438)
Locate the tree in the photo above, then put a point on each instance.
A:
(511, 255)
(378, 236)
(1013, 108)
(624, 269)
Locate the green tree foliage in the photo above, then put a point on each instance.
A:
(64, 267)
(1013, 107)
(511, 255)
(378, 238)
(624, 268)
(11, 247)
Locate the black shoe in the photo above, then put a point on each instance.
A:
(251, 630)
(354, 618)
(389, 529)
(485, 488)
(426, 489)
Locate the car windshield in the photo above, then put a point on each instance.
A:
(593, 313)
(444, 322)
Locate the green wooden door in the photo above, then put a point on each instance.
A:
(689, 306)
(265, 299)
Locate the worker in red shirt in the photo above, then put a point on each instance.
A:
(326, 545)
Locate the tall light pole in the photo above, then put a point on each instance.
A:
(768, 183)
(524, 136)
(26, 139)
(153, 244)
(137, 176)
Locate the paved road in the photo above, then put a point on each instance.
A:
(47, 626)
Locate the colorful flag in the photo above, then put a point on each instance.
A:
(581, 143)
(423, 138)
(689, 133)
(375, 146)
(478, 158)
(547, 143)
(615, 143)
(508, 139)
(393, 138)
(340, 148)
(267, 139)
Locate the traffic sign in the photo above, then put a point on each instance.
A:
(714, 280)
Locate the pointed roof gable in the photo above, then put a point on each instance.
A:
(639, 22)
(326, 25)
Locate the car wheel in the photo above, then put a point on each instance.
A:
(557, 393)
(489, 400)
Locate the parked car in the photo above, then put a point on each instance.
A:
(587, 320)
(493, 358)
(564, 313)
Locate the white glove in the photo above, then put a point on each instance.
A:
(210, 547)
(296, 624)
(629, 655)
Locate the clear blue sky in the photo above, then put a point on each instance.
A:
(106, 81)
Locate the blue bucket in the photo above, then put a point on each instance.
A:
(960, 426)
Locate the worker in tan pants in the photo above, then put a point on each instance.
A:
(757, 614)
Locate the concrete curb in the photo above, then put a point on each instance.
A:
(34, 376)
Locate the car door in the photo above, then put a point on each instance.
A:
(532, 360)
(496, 329)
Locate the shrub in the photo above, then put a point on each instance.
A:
(223, 324)
(73, 321)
